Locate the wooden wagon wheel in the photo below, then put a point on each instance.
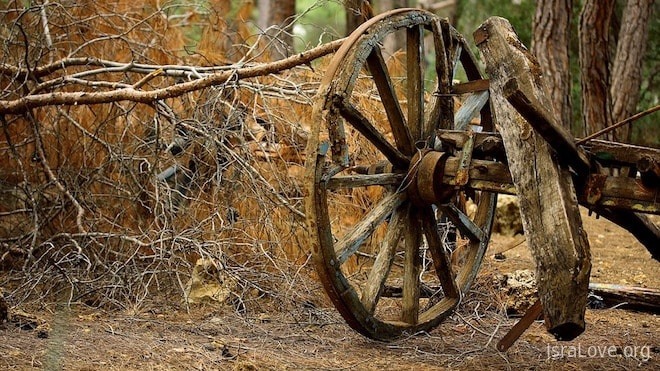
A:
(390, 261)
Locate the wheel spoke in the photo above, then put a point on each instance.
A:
(351, 242)
(463, 223)
(467, 60)
(441, 114)
(367, 129)
(473, 73)
(470, 109)
(364, 180)
(455, 56)
(383, 82)
(411, 268)
(441, 259)
(381, 268)
(414, 76)
(338, 138)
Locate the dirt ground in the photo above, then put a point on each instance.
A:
(164, 336)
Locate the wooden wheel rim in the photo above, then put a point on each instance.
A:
(318, 174)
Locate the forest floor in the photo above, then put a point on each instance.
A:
(164, 335)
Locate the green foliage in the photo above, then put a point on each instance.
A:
(471, 13)
(319, 21)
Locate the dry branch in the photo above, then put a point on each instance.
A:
(107, 204)
(635, 297)
(131, 94)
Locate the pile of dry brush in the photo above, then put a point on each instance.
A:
(109, 204)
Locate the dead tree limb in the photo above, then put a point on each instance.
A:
(634, 297)
(140, 96)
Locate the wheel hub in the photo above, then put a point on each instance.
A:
(426, 172)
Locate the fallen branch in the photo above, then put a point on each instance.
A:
(131, 94)
(641, 298)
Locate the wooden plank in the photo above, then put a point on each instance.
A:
(620, 153)
(617, 204)
(415, 88)
(381, 268)
(522, 96)
(548, 204)
(611, 205)
(635, 297)
(470, 86)
(470, 109)
(411, 268)
(381, 76)
(620, 192)
(352, 241)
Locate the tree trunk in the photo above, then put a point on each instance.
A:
(595, 65)
(627, 68)
(550, 45)
(280, 14)
(263, 20)
(357, 12)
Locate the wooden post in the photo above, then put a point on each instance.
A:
(548, 202)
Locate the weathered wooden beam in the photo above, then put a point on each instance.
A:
(522, 98)
(635, 297)
(645, 230)
(641, 298)
(470, 86)
(620, 153)
(485, 144)
(620, 192)
(548, 203)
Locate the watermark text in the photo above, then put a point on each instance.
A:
(641, 353)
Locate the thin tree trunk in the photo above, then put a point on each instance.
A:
(627, 68)
(550, 45)
(398, 39)
(280, 14)
(595, 64)
(263, 21)
(357, 11)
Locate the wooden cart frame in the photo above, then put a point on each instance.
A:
(404, 260)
